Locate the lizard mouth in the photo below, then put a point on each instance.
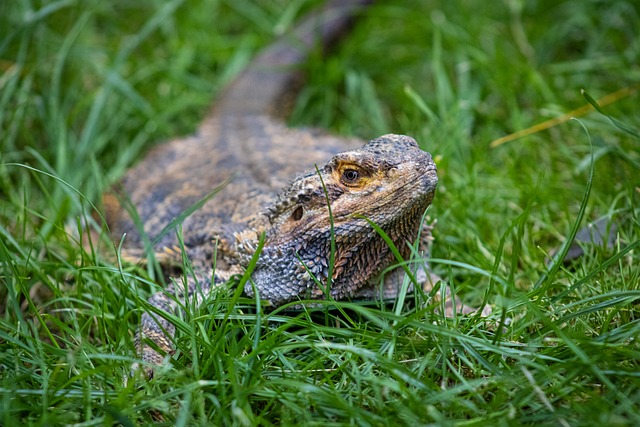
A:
(430, 178)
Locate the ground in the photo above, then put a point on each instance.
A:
(86, 89)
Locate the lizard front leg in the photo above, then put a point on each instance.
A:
(154, 339)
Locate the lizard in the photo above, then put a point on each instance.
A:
(299, 188)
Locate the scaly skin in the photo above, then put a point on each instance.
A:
(244, 145)
(389, 181)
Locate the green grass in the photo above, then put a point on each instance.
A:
(87, 87)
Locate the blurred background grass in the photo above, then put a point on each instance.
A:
(86, 87)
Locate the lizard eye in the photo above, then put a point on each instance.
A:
(350, 176)
(297, 214)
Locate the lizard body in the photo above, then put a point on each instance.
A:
(271, 186)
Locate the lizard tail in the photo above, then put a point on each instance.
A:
(268, 84)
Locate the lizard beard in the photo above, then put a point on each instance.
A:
(292, 270)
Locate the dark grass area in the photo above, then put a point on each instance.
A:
(86, 88)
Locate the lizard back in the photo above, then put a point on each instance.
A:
(243, 145)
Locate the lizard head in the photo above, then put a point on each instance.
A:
(389, 181)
